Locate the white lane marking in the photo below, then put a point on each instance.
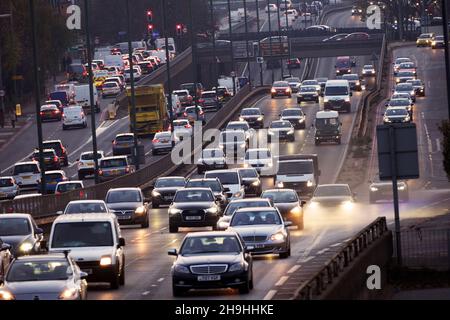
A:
(306, 259)
(163, 229)
(323, 250)
(336, 244)
(282, 280)
(132, 261)
(145, 293)
(160, 279)
(270, 295)
(294, 268)
(172, 242)
(438, 145)
(315, 242)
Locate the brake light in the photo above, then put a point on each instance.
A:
(41, 113)
(155, 140)
(273, 90)
(201, 100)
(188, 126)
(184, 114)
(100, 172)
(81, 194)
(288, 89)
(55, 159)
(127, 169)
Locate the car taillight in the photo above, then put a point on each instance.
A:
(188, 126)
(100, 172)
(155, 140)
(114, 142)
(184, 114)
(81, 194)
(288, 89)
(273, 90)
(201, 100)
(41, 113)
(55, 159)
(127, 169)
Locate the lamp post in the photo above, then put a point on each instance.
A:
(270, 36)
(133, 98)
(279, 36)
(2, 102)
(37, 94)
(231, 43)
(91, 90)
(261, 80)
(166, 42)
(287, 32)
(214, 65)
(246, 44)
(194, 57)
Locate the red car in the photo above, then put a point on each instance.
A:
(293, 63)
(50, 112)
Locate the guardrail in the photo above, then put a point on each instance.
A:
(313, 288)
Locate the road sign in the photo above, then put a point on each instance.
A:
(260, 60)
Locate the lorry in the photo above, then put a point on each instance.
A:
(299, 172)
(151, 111)
(328, 127)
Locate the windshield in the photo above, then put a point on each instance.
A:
(180, 123)
(295, 167)
(281, 84)
(255, 218)
(396, 112)
(332, 191)
(209, 95)
(167, 183)
(401, 60)
(193, 196)
(368, 67)
(26, 168)
(110, 85)
(304, 88)
(85, 207)
(350, 77)
(66, 187)
(54, 176)
(14, 227)
(280, 196)
(90, 156)
(238, 126)
(127, 138)
(291, 112)
(404, 87)
(210, 244)
(53, 145)
(309, 83)
(212, 153)
(250, 112)
(399, 102)
(248, 173)
(293, 79)
(327, 122)
(213, 185)
(224, 177)
(336, 91)
(113, 163)
(116, 196)
(82, 234)
(233, 206)
(257, 154)
(405, 74)
(343, 63)
(46, 270)
(415, 82)
(280, 124)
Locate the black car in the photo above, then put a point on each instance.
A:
(288, 203)
(215, 185)
(194, 207)
(77, 72)
(129, 205)
(251, 180)
(212, 260)
(253, 116)
(59, 148)
(165, 189)
(51, 160)
(21, 232)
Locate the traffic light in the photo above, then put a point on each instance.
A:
(150, 28)
(149, 16)
(179, 29)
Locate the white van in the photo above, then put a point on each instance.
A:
(82, 98)
(74, 117)
(95, 243)
(231, 180)
(337, 96)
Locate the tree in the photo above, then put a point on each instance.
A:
(445, 130)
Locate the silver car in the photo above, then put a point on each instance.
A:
(162, 142)
(44, 277)
(224, 221)
(263, 230)
(8, 188)
(85, 206)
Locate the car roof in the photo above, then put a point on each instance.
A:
(55, 171)
(204, 179)
(251, 108)
(249, 199)
(26, 163)
(327, 114)
(39, 257)
(256, 209)
(195, 189)
(211, 233)
(125, 189)
(91, 152)
(279, 190)
(85, 217)
(114, 157)
(71, 181)
(257, 149)
(334, 185)
(237, 122)
(211, 91)
(223, 171)
(15, 215)
(87, 201)
(124, 134)
(173, 177)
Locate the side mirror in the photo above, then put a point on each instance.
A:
(39, 231)
(288, 223)
(172, 252)
(59, 212)
(121, 242)
(83, 275)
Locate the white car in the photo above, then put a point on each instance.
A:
(66, 186)
(8, 188)
(85, 207)
(182, 128)
(74, 117)
(162, 142)
(230, 180)
(110, 88)
(368, 70)
(398, 61)
(312, 83)
(119, 79)
(261, 159)
(27, 175)
(83, 98)
(272, 7)
(86, 163)
(137, 74)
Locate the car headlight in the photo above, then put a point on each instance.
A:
(309, 183)
(236, 267)
(326, 100)
(301, 120)
(296, 210)
(413, 93)
(221, 146)
(256, 183)
(273, 90)
(105, 261)
(26, 247)
(277, 237)
(242, 145)
(271, 132)
(347, 99)
(174, 211)
(237, 194)
(6, 295)
(313, 204)
(290, 131)
(181, 269)
(280, 184)
(140, 210)
(373, 189)
(68, 294)
(260, 118)
(241, 119)
(212, 210)
(401, 187)
(155, 193)
(358, 83)
(347, 204)
(246, 165)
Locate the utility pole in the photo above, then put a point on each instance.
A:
(194, 58)
(279, 37)
(246, 45)
(231, 44)
(261, 80)
(214, 65)
(169, 82)
(288, 32)
(447, 63)
(270, 38)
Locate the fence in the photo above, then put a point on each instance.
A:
(425, 249)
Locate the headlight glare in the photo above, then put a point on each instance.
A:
(309, 183)
(68, 294)
(106, 261)
(174, 211)
(373, 189)
(277, 237)
(26, 247)
(140, 210)
(6, 295)
(296, 210)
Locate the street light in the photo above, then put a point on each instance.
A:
(2, 102)
(279, 37)
(447, 63)
(214, 65)
(194, 57)
(246, 44)
(169, 84)
(231, 43)
(270, 37)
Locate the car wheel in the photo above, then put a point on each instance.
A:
(292, 139)
(122, 275)
(145, 224)
(303, 126)
(115, 281)
(214, 227)
(251, 281)
(317, 142)
(66, 162)
(244, 288)
(285, 255)
(155, 205)
(173, 229)
(178, 292)
(317, 100)
(64, 127)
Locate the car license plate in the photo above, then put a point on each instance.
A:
(2, 194)
(88, 271)
(259, 246)
(193, 217)
(115, 171)
(90, 164)
(122, 217)
(209, 278)
(26, 177)
(164, 141)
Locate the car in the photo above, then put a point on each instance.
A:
(407, 67)
(193, 114)
(251, 180)
(211, 158)
(146, 67)
(260, 159)
(211, 260)
(27, 175)
(209, 100)
(5, 260)
(162, 142)
(222, 93)
(60, 149)
(293, 63)
(44, 277)
(322, 82)
(425, 40)
(123, 144)
(110, 88)
(231, 181)
(27, 195)
(357, 10)
(401, 102)
(396, 115)
(137, 73)
(185, 98)
(398, 61)
(404, 76)
(294, 83)
(95, 243)
(383, 191)
(74, 117)
(61, 96)
(52, 178)
(438, 42)
(343, 65)
(77, 72)
(50, 112)
(355, 36)
(112, 167)
(405, 87)
(67, 186)
(354, 81)
(181, 129)
(288, 204)
(129, 205)
(215, 186)
(368, 70)
(336, 37)
(295, 116)
(8, 188)
(86, 163)
(271, 7)
(241, 126)
(57, 103)
(281, 88)
(224, 221)
(193, 207)
(233, 142)
(418, 86)
(21, 232)
(164, 190)
(194, 90)
(313, 82)
(85, 206)
(282, 130)
(307, 93)
(402, 95)
(51, 160)
(253, 116)
(339, 196)
(263, 230)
